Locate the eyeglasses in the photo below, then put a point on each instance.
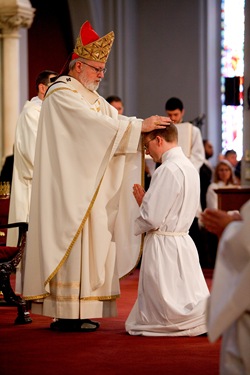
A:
(97, 70)
(147, 144)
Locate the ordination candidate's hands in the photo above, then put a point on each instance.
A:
(215, 221)
(155, 122)
(139, 193)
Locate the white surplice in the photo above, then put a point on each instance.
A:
(81, 239)
(229, 304)
(190, 140)
(24, 155)
(172, 292)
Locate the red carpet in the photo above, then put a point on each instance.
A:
(35, 350)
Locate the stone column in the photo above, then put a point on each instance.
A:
(14, 14)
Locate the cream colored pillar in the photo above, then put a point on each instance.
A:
(10, 92)
(14, 14)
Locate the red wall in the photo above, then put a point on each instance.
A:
(50, 39)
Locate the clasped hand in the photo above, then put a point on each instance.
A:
(139, 193)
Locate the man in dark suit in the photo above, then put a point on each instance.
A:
(206, 172)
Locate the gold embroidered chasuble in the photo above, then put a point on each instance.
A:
(81, 234)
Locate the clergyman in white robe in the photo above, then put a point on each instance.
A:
(81, 239)
(190, 140)
(24, 155)
(172, 291)
(229, 304)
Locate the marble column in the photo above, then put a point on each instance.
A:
(14, 14)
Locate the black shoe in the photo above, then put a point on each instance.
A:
(97, 324)
(88, 325)
(74, 325)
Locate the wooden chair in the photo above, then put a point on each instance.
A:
(4, 209)
(9, 259)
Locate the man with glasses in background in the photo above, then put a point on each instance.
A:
(81, 238)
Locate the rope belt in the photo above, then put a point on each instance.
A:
(168, 233)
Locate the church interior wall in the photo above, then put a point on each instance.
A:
(160, 50)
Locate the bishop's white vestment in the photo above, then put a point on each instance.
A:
(81, 239)
(172, 292)
(229, 304)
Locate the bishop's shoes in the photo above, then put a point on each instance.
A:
(74, 325)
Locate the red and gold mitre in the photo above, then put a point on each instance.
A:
(90, 46)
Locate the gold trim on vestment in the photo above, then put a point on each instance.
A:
(76, 298)
(143, 163)
(58, 89)
(101, 298)
(124, 141)
(74, 284)
(167, 234)
(31, 298)
(76, 235)
(45, 295)
(63, 298)
(143, 183)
